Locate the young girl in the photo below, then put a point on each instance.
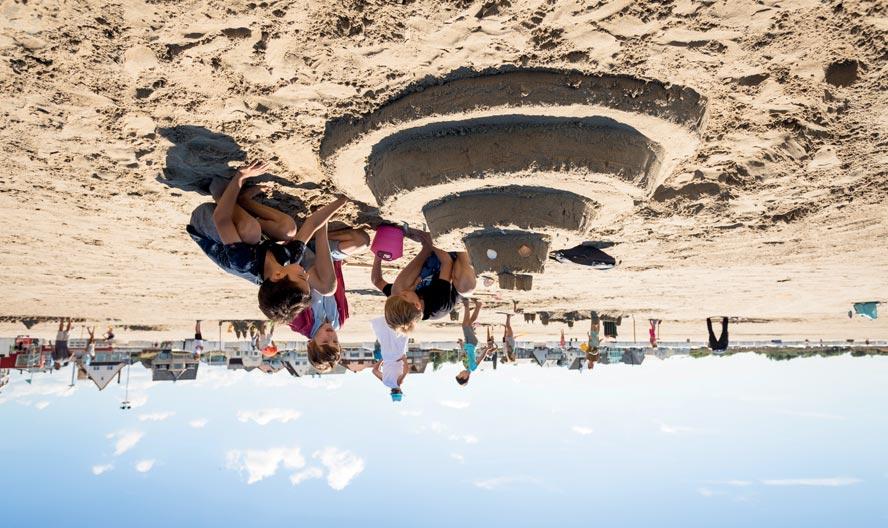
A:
(428, 287)
(329, 307)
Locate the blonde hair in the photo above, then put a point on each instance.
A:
(401, 315)
(323, 357)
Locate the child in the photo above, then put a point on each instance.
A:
(230, 232)
(428, 287)
(469, 318)
(471, 363)
(328, 308)
(393, 367)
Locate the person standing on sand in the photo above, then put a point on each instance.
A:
(90, 351)
(509, 339)
(592, 354)
(720, 344)
(61, 355)
(471, 363)
(197, 346)
(468, 322)
(428, 287)
(229, 231)
(653, 331)
(393, 368)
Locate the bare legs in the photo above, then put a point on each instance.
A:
(470, 316)
(351, 241)
(507, 331)
(463, 275)
(276, 224)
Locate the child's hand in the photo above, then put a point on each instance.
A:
(425, 238)
(251, 169)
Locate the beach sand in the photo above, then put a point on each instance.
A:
(113, 116)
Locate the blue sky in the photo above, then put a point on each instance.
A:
(737, 441)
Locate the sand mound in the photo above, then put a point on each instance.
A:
(563, 215)
(506, 121)
(597, 142)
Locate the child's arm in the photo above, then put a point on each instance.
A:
(404, 371)
(376, 371)
(376, 274)
(318, 218)
(446, 264)
(322, 274)
(223, 215)
(407, 277)
(484, 354)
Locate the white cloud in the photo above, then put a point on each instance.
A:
(156, 417)
(580, 430)
(266, 416)
(144, 466)
(501, 482)
(828, 482)
(324, 382)
(454, 404)
(306, 474)
(469, 438)
(124, 440)
(199, 423)
(706, 492)
(677, 429)
(342, 466)
(740, 483)
(260, 464)
(41, 405)
(102, 468)
(437, 427)
(458, 457)
(811, 414)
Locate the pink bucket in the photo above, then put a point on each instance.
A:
(388, 244)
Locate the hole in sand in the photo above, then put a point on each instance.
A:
(842, 73)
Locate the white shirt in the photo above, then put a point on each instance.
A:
(393, 347)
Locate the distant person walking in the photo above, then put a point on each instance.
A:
(90, 352)
(60, 353)
(654, 330)
(198, 345)
(471, 362)
(509, 339)
(720, 344)
(592, 354)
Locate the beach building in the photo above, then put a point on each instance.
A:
(174, 366)
(244, 357)
(105, 366)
